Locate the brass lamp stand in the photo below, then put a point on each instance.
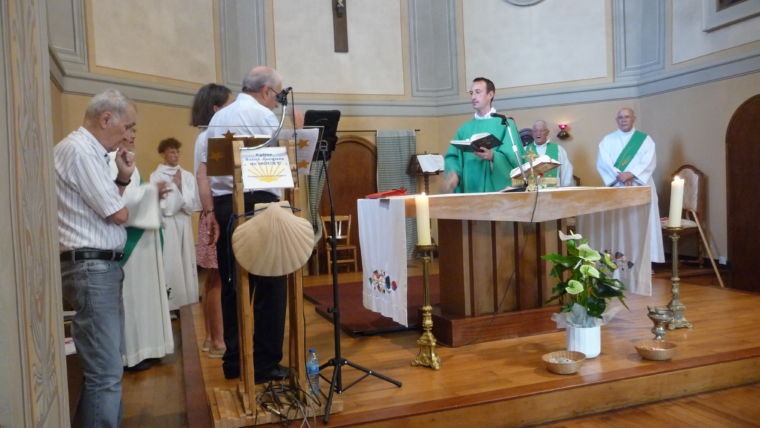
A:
(426, 356)
(675, 305)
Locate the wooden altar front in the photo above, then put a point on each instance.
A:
(493, 282)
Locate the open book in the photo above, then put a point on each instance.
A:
(541, 165)
(476, 141)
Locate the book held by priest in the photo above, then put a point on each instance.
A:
(541, 165)
(477, 141)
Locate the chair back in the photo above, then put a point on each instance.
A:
(341, 229)
(693, 190)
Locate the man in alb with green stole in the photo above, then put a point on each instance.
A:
(561, 176)
(484, 170)
(627, 158)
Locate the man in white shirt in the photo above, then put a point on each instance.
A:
(91, 214)
(250, 114)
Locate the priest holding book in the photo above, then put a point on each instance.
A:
(562, 176)
(471, 167)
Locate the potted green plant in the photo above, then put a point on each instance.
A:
(586, 285)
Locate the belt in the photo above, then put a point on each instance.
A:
(91, 254)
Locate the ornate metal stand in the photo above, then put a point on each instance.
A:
(426, 356)
(661, 316)
(675, 305)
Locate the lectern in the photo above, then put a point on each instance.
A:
(224, 159)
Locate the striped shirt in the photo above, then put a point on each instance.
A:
(87, 195)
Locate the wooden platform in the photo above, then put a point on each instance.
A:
(504, 382)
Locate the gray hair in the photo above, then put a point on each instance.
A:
(110, 100)
(259, 77)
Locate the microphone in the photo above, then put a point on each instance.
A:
(282, 97)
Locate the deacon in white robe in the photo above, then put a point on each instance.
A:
(177, 208)
(634, 168)
(147, 323)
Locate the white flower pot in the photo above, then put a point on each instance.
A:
(585, 339)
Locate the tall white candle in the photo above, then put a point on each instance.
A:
(676, 202)
(423, 219)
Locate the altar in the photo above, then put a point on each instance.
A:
(493, 282)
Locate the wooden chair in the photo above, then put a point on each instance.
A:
(346, 252)
(694, 200)
(693, 205)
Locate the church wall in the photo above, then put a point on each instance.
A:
(691, 38)
(582, 67)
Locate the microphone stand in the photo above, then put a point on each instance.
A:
(337, 362)
(505, 122)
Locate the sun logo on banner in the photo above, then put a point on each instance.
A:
(267, 172)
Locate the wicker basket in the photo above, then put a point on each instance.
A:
(656, 350)
(563, 362)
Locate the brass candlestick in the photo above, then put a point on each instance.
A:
(426, 356)
(661, 317)
(675, 305)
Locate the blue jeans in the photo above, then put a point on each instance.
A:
(93, 289)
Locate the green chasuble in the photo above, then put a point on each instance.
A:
(478, 175)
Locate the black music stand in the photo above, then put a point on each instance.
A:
(327, 121)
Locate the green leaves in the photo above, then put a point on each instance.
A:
(585, 277)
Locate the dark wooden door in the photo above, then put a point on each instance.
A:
(743, 188)
(353, 174)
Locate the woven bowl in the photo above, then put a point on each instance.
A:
(656, 350)
(563, 362)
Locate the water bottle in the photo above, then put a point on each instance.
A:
(312, 371)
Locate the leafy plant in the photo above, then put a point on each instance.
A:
(587, 281)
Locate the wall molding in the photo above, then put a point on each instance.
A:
(433, 58)
(639, 38)
(639, 52)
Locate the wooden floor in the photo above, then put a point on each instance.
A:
(504, 383)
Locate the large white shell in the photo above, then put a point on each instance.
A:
(273, 242)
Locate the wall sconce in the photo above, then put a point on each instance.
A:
(563, 134)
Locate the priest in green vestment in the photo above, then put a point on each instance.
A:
(484, 170)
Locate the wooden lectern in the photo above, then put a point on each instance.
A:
(224, 159)
(424, 165)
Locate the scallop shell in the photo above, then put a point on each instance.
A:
(274, 242)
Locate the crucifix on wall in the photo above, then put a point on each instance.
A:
(340, 24)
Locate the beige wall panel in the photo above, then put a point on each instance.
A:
(553, 41)
(306, 59)
(173, 39)
(690, 41)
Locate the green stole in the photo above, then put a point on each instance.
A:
(552, 150)
(630, 150)
(133, 237)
